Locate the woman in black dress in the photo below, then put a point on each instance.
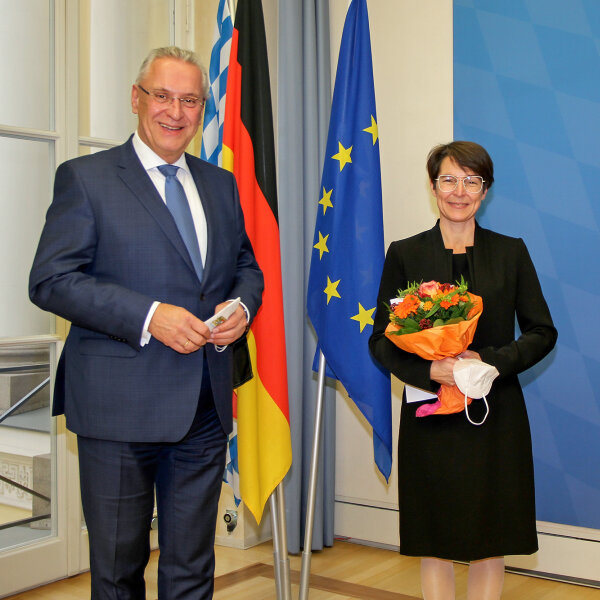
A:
(467, 493)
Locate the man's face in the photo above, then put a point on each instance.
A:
(168, 128)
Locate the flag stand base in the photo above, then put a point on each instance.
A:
(247, 532)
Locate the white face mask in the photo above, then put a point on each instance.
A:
(474, 379)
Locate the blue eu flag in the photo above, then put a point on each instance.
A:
(348, 247)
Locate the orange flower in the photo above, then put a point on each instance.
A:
(453, 301)
(427, 305)
(408, 306)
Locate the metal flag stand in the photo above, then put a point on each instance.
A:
(281, 562)
(312, 485)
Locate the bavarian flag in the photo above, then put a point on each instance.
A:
(264, 440)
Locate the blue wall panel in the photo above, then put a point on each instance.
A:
(527, 87)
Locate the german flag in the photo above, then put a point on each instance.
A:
(264, 440)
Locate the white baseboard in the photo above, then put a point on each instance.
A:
(369, 523)
(566, 553)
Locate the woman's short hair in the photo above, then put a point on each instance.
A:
(180, 54)
(469, 155)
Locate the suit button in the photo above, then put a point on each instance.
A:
(202, 297)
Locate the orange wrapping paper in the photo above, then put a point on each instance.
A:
(437, 343)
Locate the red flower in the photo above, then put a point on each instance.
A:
(425, 324)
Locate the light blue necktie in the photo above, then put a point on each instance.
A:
(178, 204)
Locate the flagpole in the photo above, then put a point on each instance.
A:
(281, 561)
(312, 485)
(230, 4)
(284, 560)
(276, 543)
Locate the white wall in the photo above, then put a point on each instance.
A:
(412, 61)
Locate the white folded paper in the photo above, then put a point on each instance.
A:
(414, 394)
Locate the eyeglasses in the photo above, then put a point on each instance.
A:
(166, 98)
(473, 184)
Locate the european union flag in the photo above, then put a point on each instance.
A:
(348, 251)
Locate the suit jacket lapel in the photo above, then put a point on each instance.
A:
(210, 214)
(137, 180)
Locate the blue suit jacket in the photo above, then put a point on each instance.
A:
(109, 248)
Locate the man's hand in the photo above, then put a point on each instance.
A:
(178, 328)
(232, 329)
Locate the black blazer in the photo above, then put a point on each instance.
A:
(502, 273)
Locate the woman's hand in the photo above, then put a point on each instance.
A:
(442, 370)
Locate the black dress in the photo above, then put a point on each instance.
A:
(467, 492)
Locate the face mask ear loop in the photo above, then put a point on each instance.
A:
(487, 412)
(487, 408)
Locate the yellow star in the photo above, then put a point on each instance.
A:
(364, 317)
(326, 200)
(373, 130)
(321, 245)
(331, 289)
(343, 155)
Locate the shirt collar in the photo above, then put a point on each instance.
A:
(149, 158)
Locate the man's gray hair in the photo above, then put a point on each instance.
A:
(179, 53)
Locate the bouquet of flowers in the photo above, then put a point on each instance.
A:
(435, 320)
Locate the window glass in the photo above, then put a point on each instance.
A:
(26, 68)
(26, 456)
(26, 191)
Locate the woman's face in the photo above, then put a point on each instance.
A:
(457, 206)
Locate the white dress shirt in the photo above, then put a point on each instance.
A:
(151, 161)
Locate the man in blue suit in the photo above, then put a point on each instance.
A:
(142, 381)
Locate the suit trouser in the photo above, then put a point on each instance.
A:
(118, 480)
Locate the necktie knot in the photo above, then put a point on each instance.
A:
(168, 170)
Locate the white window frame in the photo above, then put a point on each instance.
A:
(66, 553)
